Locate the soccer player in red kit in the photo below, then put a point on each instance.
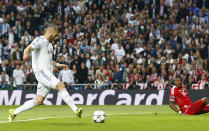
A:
(180, 95)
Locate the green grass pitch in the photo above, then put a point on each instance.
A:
(119, 118)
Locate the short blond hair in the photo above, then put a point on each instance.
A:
(53, 28)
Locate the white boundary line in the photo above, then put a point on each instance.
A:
(43, 118)
(135, 113)
(126, 114)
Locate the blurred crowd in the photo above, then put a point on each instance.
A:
(109, 44)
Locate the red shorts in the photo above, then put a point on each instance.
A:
(197, 108)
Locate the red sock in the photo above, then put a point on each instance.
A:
(206, 108)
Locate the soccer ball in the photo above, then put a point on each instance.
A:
(99, 117)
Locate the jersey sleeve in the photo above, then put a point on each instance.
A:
(172, 95)
(36, 43)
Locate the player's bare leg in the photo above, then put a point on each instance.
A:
(205, 100)
(26, 106)
(205, 108)
(66, 97)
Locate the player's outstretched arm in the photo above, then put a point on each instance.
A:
(26, 53)
(173, 107)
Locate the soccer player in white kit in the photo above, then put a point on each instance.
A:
(42, 65)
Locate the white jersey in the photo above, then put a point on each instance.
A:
(42, 54)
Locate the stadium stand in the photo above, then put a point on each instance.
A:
(114, 44)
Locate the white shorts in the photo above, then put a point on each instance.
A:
(46, 81)
(42, 90)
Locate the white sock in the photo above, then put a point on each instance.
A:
(68, 100)
(26, 106)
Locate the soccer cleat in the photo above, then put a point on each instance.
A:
(11, 115)
(79, 112)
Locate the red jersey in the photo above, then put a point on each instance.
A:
(131, 77)
(181, 97)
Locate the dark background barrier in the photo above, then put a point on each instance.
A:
(99, 97)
